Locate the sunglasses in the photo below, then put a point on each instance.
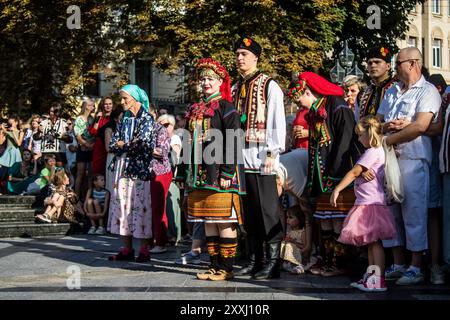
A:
(398, 63)
(166, 124)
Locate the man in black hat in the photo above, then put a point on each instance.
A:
(379, 67)
(259, 101)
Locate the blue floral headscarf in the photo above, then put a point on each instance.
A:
(138, 94)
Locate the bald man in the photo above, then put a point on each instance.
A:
(407, 109)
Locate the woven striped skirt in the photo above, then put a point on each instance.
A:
(344, 202)
(214, 207)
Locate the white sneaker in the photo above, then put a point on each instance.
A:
(158, 249)
(437, 276)
(298, 269)
(189, 258)
(373, 283)
(393, 273)
(286, 266)
(100, 231)
(410, 277)
(91, 230)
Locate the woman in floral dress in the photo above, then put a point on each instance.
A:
(133, 144)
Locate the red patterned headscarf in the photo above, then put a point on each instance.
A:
(219, 70)
(317, 84)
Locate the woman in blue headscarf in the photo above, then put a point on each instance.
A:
(133, 144)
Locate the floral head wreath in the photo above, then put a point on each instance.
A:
(219, 70)
(297, 90)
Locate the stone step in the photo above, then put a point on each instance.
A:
(8, 200)
(34, 229)
(16, 206)
(14, 214)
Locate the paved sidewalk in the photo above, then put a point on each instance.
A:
(40, 269)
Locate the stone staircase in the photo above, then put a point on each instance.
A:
(17, 219)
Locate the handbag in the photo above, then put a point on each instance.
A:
(392, 177)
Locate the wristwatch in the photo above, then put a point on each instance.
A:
(270, 154)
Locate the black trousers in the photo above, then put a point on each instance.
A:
(262, 214)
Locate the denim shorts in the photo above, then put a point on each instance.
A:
(435, 196)
(198, 231)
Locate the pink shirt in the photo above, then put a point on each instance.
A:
(371, 192)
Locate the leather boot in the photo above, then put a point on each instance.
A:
(272, 268)
(255, 254)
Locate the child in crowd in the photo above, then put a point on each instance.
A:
(294, 242)
(96, 204)
(48, 171)
(45, 177)
(60, 206)
(370, 220)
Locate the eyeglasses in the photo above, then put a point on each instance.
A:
(398, 63)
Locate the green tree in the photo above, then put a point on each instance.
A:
(42, 60)
(393, 22)
(294, 34)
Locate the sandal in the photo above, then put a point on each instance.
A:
(44, 218)
(318, 267)
(143, 257)
(122, 257)
(333, 271)
(205, 275)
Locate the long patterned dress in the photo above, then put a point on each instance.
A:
(130, 204)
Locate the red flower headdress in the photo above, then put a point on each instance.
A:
(209, 63)
(317, 84)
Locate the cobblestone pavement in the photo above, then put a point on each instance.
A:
(47, 268)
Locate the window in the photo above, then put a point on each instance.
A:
(448, 52)
(91, 85)
(437, 55)
(412, 42)
(143, 75)
(423, 49)
(436, 7)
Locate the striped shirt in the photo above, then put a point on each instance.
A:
(99, 196)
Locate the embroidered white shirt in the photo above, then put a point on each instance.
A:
(255, 154)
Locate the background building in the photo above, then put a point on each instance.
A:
(164, 90)
(429, 31)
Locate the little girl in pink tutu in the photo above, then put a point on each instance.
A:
(370, 220)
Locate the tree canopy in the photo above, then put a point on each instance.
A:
(42, 60)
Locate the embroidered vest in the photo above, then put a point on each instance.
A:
(251, 102)
(372, 97)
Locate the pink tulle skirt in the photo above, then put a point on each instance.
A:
(365, 224)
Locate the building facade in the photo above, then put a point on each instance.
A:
(429, 31)
(164, 90)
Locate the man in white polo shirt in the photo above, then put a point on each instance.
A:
(407, 109)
